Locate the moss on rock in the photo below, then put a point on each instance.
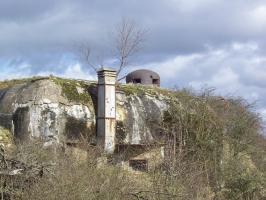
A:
(74, 90)
(139, 90)
(154, 91)
(5, 136)
(10, 83)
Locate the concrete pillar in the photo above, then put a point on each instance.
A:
(106, 115)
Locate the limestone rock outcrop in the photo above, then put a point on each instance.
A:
(61, 110)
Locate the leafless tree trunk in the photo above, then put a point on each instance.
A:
(84, 54)
(128, 38)
(128, 41)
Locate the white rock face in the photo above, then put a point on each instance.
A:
(39, 109)
(47, 119)
(78, 112)
(142, 112)
(136, 106)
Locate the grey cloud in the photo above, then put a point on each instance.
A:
(26, 10)
(175, 27)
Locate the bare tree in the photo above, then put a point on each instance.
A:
(84, 54)
(128, 39)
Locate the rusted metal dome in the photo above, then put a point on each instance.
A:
(143, 76)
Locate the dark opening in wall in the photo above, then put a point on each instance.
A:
(21, 119)
(155, 81)
(137, 80)
(139, 165)
(77, 130)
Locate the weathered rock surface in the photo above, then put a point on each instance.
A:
(140, 116)
(58, 110)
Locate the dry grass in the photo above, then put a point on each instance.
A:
(215, 152)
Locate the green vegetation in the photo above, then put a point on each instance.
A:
(10, 83)
(138, 89)
(74, 90)
(5, 136)
(220, 137)
(131, 89)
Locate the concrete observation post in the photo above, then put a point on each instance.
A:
(106, 113)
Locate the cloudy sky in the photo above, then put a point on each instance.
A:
(191, 43)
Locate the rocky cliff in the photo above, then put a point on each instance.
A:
(62, 110)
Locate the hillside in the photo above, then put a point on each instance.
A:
(213, 146)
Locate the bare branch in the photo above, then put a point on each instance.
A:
(128, 39)
(84, 53)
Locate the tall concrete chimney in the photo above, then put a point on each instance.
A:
(106, 115)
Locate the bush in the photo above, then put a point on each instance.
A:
(214, 150)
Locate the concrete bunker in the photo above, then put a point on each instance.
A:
(143, 76)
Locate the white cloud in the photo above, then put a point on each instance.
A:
(189, 6)
(249, 46)
(222, 79)
(18, 69)
(258, 15)
(24, 69)
(170, 68)
(237, 69)
(75, 71)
